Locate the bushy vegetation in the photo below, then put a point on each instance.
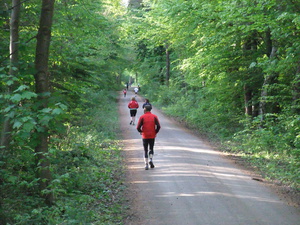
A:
(229, 69)
(86, 165)
(60, 162)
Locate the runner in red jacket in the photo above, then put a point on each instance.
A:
(133, 105)
(148, 126)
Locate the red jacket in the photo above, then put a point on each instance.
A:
(148, 125)
(133, 105)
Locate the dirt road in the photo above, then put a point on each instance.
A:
(192, 184)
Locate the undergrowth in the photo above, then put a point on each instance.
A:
(86, 165)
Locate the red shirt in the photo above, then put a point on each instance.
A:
(148, 125)
(133, 105)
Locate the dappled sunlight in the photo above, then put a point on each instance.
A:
(146, 182)
(233, 185)
(191, 149)
(182, 176)
(140, 182)
(168, 129)
(185, 145)
(215, 194)
(196, 170)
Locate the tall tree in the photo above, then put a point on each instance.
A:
(42, 89)
(167, 65)
(13, 69)
(14, 60)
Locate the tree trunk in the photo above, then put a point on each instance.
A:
(119, 78)
(167, 65)
(42, 89)
(296, 89)
(269, 44)
(264, 93)
(250, 45)
(136, 78)
(248, 103)
(14, 60)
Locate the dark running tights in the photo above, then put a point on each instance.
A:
(150, 143)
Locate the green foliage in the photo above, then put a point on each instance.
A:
(86, 43)
(86, 166)
(273, 149)
(87, 57)
(22, 111)
(226, 56)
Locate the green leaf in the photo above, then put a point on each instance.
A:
(46, 110)
(17, 124)
(16, 98)
(29, 94)
(9, 82)
(7, 109)
(26, 118)
(57, 111)
(45, 120)
(253, 64)
(12, 179)
(22, 88)
(11, 114)
(28, 126)
(62, 106)
(14, 68)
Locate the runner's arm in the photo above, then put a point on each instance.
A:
(140, 124)
(157, 125)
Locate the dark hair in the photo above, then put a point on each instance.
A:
(148, 107)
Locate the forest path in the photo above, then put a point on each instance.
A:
(192, 184)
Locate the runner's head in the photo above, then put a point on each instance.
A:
(147, 108)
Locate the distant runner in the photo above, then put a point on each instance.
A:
(136, 90)
(133, 105)
(147, 102)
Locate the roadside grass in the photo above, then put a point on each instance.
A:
(269, 155)
(87, 170)
(92, 179)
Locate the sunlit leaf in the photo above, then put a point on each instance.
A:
(28, 95)
(21, 88)
(28, 126)
(57, 111)
(46, 110)
(16, 98)
(17, 124)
